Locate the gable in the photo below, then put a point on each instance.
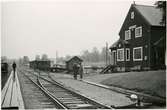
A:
(75, 58)
(131, 23)
(146, 15)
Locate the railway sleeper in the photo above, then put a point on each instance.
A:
(70, 99)
(47, 103)
(56, 90)
(73, 102)
(63, 95)
(77, 106)
(64, 98)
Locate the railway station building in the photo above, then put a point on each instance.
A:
(142, 41)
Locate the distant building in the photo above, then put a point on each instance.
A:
(41, 65)
(72, 61)
(142, 42)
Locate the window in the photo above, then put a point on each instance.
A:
(127, 35)
(145, 57)
(132, 15)
(119, 45)
(128, 54)
(138, 32)
(120, 54)
(137, 54)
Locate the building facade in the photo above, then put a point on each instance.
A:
(142, 42)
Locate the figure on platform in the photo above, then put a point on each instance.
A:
(14, 70)
(81, 71)
(75, 70)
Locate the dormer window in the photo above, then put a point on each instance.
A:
(127, 35)
(138, 32)
(132, 15)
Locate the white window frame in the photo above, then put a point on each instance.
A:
(129, 35)
(140, 35)
(132, 15)
(122, 49)
(140, 53)
(127, 59)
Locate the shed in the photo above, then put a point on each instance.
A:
(74, 60)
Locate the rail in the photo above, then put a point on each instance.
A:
(71, 100)
(57, 103)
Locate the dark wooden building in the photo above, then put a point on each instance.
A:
(142, 42)
(41, 65)
(74, 60)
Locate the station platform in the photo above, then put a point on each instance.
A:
(100, 94)
(11, 97)
(107, 95)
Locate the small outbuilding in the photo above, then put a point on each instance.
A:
(74, 60)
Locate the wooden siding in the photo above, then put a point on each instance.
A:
(156, 34)
(150, 34)
(136, 42)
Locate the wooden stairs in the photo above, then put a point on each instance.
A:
(108, 68)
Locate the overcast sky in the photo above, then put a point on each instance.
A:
(68, 26)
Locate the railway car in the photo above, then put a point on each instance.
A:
(4, 74)
(4, 67)
(40, 65)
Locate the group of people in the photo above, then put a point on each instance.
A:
(78, 69)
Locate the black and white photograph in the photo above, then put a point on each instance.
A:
(83, 54)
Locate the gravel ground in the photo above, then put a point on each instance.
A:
(101, 95)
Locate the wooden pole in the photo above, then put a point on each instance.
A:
(56, 56)
(106, 53)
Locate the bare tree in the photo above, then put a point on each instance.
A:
(25, 60)
(103, 54)
(3, 59)
(37, 57)
(86, 56)
(44, 57)
(67, 57)
(95, 55)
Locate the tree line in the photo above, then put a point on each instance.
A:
(90, 56)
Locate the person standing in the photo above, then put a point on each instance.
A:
(75, 70)
(81, 71)
(14, 70)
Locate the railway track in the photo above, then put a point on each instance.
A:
(63, 96)
(45, 100)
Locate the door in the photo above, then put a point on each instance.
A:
(114, 57)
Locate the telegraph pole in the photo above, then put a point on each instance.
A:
(56, 56)
(106, 53)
